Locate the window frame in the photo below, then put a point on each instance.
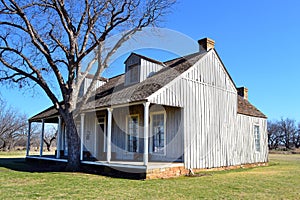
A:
(152, 135)
(257, 138)
(127, 132)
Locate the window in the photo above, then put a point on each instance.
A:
(133, 73)
(158, 132)
(257, 138)
(132, 133)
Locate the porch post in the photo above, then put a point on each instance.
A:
(81, 134)
(146, 132)
(108, 139)
(58, 143)
(28, 139)
(42, 137)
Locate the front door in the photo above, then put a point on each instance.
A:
(101, 139)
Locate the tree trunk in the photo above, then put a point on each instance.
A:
(73, 144)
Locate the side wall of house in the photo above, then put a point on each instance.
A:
(209, 101)
(210, 113)
(244, 143)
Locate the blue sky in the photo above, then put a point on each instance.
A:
(258, 42)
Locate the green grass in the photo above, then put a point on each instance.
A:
(22, 153)
(12, 154)
(279, 180)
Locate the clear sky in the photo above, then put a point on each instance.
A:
(258, 41)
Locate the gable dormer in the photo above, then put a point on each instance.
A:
(138, 68)
(87, 81)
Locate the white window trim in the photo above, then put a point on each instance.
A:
(127, 133)
(151, 133)
(254, 125)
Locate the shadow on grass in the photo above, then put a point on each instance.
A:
(40, 166)
(21, 164)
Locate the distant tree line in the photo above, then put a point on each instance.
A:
(283, 133)
(14, 129)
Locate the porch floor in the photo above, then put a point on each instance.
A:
(118, 164)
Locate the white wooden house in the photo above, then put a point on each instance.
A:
(187, 112)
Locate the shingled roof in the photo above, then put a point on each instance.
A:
(246, 108)
(50, 112)
(114, 92)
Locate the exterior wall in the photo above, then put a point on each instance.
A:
(89, 137)
(148, 69)
(244, 142)
(221, 137)
(119, 126)
(94, 143)
(85, 84)
(174, 133)
(209, 100)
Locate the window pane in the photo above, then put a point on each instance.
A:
(133, 73)
(257, 138)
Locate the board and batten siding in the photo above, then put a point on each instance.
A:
(244, 150)
(89, 135)
(174, 136)
(209, 101)
(86, 83)
(148, 69)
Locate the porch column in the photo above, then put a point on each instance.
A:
(81, 134)
(58, 143)
(146, 132)
(42, 137)
(108, 139)
(28, 139)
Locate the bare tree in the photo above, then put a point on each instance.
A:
(274, 135)
(287, 128)
(45, 42)
(296, 137)
(50, 137)
(12, 126)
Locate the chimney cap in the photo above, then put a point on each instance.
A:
(206, 44)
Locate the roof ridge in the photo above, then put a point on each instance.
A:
(146, 58)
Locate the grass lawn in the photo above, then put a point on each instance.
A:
(279, 180)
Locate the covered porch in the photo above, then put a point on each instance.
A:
(135, 136)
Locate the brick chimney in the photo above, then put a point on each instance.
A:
(206, 44)
(243, 92)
